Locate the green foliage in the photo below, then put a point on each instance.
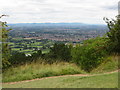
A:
(113, 34)
(5, 47)
(60, 51)
(90, 54)
(17, 58)
(109, 64)
(37, 55)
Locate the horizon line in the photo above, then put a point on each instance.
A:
(57, 23)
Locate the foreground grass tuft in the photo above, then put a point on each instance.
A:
(39, 70)
(110, 64)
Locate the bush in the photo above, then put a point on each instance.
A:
(60, 52)
(90, 54)
(37, 55)
(17, 58)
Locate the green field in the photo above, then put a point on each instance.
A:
(98, 81)
(18, 44)
(45, 51)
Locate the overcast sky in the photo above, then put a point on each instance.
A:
(57, 11)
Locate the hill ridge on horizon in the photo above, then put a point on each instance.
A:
(57, 23)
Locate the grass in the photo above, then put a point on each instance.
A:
(16, 49)
(39, 46)
(36, 43)
(99, 81)
(30, 51)
(45, 51)
(10, 43)
(110, 64)
(39, 70)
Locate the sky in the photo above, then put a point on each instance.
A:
(58, 11)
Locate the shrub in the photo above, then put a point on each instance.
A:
(90, 54)
(60, 52)
(17, 58)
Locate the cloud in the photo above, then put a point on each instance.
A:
(111, 7)
(86, 11)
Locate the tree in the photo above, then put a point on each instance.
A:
(17, 58)
(5, 47)
(60, 51)
(37, 55)
(113, 34)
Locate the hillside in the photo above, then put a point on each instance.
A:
(109, 80)
(81, 79)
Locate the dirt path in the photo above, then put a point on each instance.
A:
(60, 76)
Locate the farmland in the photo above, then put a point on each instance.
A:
(29, 46)
(29, 38)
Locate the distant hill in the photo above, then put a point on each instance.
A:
(51, 26)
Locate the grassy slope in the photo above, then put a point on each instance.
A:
(39, 70)
(110, 64)
(100, 81)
